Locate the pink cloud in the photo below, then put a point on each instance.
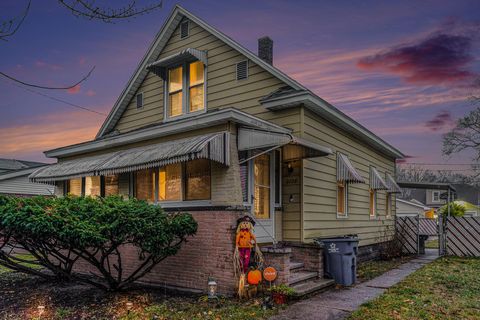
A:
(82, 60)
(90, 93)
(74, 90)
(442, 120)
(438, 59)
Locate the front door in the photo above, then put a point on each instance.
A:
(262, 207)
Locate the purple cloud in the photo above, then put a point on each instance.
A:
(439, 59)
(441, 121)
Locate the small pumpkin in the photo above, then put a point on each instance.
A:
(254, 277)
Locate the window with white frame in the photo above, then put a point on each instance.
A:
(373, 203)
(260, 179)
(435, 196)
(186, 89)
(94, 186)
(342, 199)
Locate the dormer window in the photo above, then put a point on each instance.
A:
(186, 89)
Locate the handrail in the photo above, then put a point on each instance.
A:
(264, 229)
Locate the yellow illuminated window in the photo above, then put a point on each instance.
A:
(175, 91)
(111, 185)
(92, 186)
(197, 180)
(75, 187)
(196, 81)
(145, 185)
(373, 203)
(261, 172)
(170, 182)
(341, 199)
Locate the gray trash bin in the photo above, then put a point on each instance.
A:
(340, 258)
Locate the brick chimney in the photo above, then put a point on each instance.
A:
(265, 49)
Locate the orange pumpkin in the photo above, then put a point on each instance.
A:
(254, 277)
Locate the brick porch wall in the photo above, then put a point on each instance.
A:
(208, 254)
(311, 255)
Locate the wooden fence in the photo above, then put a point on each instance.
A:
(463, 236)
(407, 229)
(428, 227)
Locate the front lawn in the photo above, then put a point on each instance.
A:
(20, 296)
(431, 244)
(448, 288)
(372, 269)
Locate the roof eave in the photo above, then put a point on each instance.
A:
(329, 112)
(165, 129)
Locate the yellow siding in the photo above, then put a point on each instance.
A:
(223, 90)
(319, 186)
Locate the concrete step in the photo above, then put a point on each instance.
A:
(296, 266)
(301, 276)
(312, 286)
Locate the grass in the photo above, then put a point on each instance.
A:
(445, 289)
(372, 269)
(432, 244)
(27, 257)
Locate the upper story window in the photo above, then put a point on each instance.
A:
(186, 89)
(435, 196)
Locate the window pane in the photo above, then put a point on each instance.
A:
(278, 172)
(170, 182)
(244, 180)
(92, 186)
(196, 98)
(261, 170)
(75, 187)
(144, 185)
(197, 184)
(196, 73)
(175, 79)
(111, 185)
(388, 204)
(341, 198)
(372, 203)
(175, 104)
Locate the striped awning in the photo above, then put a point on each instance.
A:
(296, 148)
(393, 187)
(186, 55)
(346, 172)
(376, 181)
(213, 146)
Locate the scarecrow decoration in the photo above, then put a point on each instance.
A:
(246, 247)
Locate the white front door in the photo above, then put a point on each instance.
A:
(262, 208)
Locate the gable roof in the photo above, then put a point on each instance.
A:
(14, 164)
(156, 48)
(293, 88)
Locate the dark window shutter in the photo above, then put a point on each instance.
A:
(184, 29)
(242, 70)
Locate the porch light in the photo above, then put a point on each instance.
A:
(290, 199)
(290, 168)
(41, 310)
(129, 306)
(212, 289)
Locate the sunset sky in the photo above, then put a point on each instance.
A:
(404, 69)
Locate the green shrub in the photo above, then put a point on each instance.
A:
(456, 210)
(60, 231)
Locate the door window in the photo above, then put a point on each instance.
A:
(261, 171)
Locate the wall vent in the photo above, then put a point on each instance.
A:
(140, 100)
(184, 29)
(242, 70)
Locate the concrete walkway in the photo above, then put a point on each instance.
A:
(339, 303)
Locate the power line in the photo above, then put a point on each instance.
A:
(57, 99)
(438, 164)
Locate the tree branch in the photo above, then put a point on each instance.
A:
(9, 28)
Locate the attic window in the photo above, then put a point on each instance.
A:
(184, 29)
(242, 70)
(140, 100)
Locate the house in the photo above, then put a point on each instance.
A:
(410, 208)
(208, 127)
(14, 179)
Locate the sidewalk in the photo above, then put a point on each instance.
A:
(339, 303)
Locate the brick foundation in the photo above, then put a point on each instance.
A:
(279, 258)
(310, 254)
(208, 254)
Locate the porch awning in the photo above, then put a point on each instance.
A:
(213, 146)
(393, 187)
(376, 181)
(189, 54)
(346, 172)
(295, 148)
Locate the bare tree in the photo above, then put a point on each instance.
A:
(465, 135)
(80, 8)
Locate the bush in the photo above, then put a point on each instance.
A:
(456, 210)
(60, 231)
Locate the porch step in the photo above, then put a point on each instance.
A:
(311, 286)
(295, 266)
(301, 276)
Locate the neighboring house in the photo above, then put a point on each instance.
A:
(410, 208)
(437, 198)
(9, 165)
(14, 179)
(208, 127)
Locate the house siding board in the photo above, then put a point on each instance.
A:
(319, 186)
(223, 90)
(22, 186)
